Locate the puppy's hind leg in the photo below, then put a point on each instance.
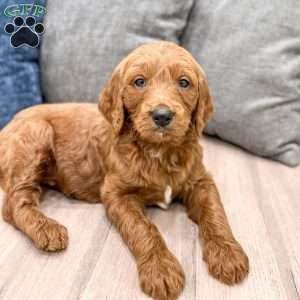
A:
(24, 160)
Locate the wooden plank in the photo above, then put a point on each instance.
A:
(119, 280)
(262, 202)
(27, 273)
(281, 207)
(231, 168)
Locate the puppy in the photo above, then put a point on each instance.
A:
(142, 149)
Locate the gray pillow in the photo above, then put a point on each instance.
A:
(83, 43)
(251, 54)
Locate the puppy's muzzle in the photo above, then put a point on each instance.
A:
(162, 116)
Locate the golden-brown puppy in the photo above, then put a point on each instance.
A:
(142, 149)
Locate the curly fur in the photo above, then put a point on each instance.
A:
(120, 158)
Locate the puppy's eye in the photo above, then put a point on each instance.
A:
(184, 83)
(140, 82)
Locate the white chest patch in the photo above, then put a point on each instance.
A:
(168, 198)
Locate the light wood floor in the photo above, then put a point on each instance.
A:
(261, 198)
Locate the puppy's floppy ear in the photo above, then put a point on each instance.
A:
(111, 103)
(204, 106)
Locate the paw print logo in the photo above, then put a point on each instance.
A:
(24, 32)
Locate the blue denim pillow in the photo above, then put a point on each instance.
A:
(19, 67)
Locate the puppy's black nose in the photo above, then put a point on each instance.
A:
(162, 116)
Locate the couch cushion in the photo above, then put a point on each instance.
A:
(83, 43)
(251, 54)
(19, 67)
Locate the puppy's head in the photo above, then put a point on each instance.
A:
(160, 91)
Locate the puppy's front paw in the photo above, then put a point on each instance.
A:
(226, 261)
(51, 236)
(161, 276)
